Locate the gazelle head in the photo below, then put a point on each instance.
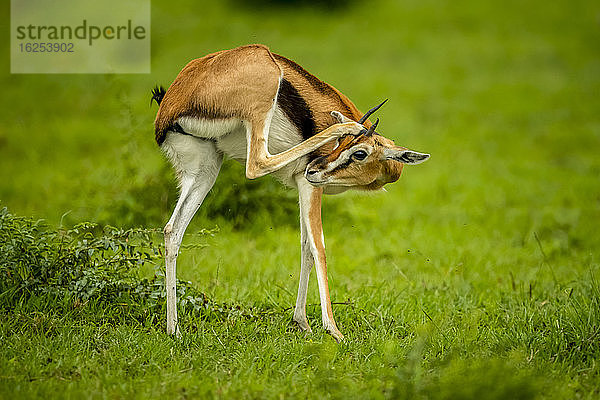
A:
(366, 161)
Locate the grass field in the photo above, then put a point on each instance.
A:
(475, 276)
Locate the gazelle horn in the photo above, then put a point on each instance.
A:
(372, 128)
(371, 111)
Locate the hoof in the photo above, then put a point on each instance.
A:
(337, 335)
(174, 331)
(302, 324)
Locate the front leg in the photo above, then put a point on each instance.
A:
(306, 264)
(260, 162)
(310, 212)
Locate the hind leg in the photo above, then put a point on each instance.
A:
(197, 163)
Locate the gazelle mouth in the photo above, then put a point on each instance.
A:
(316, 182)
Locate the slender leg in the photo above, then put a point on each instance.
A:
(197, 162)
(310, 211)
(306, 264)
(260, 162)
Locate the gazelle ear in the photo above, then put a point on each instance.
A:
(339, 117)
(405, 156)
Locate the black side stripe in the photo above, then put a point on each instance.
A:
(296, 109)
(177, 128)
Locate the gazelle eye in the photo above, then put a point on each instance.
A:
(359, 155)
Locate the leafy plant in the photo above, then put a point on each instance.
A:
(59, 270)
(83, 263)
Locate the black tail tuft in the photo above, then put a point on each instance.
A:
(157, 94)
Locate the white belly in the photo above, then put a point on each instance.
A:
(230, 137)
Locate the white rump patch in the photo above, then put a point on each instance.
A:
(190, 155)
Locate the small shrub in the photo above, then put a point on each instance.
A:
(61, 270)
(81, 264)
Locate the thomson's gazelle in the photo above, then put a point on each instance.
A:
(266, 111)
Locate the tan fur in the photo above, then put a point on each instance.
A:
(241, 86)
(321, 97)
(210, 87)
(371, 174)
(243, 83)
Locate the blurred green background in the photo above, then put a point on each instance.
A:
(504, 95)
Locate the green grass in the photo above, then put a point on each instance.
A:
(475, 276)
